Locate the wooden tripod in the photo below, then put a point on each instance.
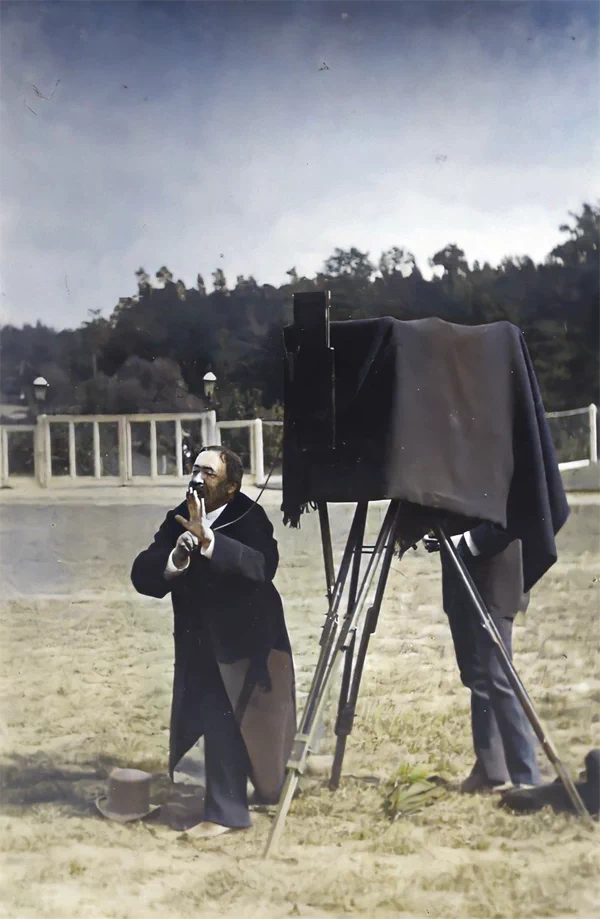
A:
(344, 634)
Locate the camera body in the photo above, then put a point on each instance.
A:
(421, 411)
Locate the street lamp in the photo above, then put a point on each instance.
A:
(40, 390)
(209, 381)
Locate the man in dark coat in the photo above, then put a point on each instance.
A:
(234, 680)
(503, 740)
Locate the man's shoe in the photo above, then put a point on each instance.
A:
(208, 830)
(476, 784)
(508, 787)
(260, 806)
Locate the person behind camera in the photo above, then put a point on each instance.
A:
(503, 741)
(234, 681)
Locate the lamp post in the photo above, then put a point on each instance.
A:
(209, 381)
(211, 431)
(40, 391)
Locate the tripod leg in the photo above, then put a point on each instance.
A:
(511, 674)
(328, 634)
(341, 732)
(330, 581)
(347, 673)
(358, 531)
(285, 801)
(297, 760)
(347, 709)
(327, 548)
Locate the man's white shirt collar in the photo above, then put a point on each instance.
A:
(211, 516)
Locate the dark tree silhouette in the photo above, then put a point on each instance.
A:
(167, 332)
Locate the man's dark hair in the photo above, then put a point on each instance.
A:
(234, 469)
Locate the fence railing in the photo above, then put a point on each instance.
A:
(127, 449)
(574, 432)
(153, 448)
(105, 449)
(20, 461)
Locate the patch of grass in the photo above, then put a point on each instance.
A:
(98, 695)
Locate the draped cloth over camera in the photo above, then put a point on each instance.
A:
(446, 418)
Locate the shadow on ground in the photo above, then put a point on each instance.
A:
(29, 781)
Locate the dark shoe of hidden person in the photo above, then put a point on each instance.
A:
(554, 795)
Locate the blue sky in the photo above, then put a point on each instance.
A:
(203, 135)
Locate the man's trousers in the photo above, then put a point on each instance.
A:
(226, 760)
(503, 740)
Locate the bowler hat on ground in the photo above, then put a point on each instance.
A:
(127, 796)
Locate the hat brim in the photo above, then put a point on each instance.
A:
(122, 818)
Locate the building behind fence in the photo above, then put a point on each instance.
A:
(150, 449)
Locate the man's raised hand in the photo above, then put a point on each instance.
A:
(197, 525)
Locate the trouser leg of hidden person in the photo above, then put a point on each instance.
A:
(518, 739)
(490, 767)
(226, 760)
(503, 740)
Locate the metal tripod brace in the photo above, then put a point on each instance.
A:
(339, 637)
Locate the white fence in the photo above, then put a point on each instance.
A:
(575, 430)
(103, 449)
(123, 449)
(150, 449)
(22, 439)
(263, 458)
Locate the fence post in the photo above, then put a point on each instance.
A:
(210, 429)
(153, 456)
(3, 456)
(72, 453)
(257, 460)
(124, 450)
(39, 452)
(593, 417)
(97, 460)
(178, 448)
(47, 451)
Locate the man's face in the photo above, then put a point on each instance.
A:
(210, 469)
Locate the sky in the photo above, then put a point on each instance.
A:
(258, 136)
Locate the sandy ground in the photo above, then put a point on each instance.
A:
(86, 680)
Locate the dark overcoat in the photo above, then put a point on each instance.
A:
(228, 608)
(497, 573)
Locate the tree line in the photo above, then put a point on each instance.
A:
(152, 352)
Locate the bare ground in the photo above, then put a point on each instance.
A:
(86, 680)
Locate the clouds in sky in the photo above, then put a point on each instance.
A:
(182, 132)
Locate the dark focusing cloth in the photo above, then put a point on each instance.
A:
(446, 418)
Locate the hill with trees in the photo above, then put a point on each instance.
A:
(154, 349)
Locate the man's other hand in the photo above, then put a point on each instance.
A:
(431, 544)
(185, 545)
